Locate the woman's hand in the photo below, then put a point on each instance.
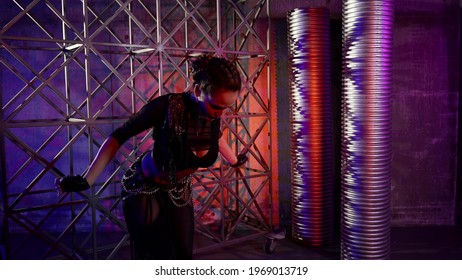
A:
(241, 159)
(71, 183)
(229, 155)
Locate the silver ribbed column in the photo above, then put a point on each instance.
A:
(311, 125)
(366, 129)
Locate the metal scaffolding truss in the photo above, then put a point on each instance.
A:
(72, 71)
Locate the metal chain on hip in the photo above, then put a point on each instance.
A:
(175, 191)
(177, 194)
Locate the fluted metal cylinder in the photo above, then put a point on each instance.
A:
(311, 125)
(366, 129)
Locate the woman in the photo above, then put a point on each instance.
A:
(157, 192)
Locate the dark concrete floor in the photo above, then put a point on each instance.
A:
(426, 243)
(407, 243)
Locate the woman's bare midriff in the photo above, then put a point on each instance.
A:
(153, 172)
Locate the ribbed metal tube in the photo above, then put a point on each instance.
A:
(311, 125)
(366, 129)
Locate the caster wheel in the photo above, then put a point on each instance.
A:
(270, 246)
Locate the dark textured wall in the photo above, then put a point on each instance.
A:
(279, 26)
(425, 108)
(459, 148)
(425, 95)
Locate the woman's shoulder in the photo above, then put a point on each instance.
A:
(183, 96)
(163, 100)
(174, 101)
(190, 100)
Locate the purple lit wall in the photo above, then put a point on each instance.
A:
(425, 96)
(459, 129)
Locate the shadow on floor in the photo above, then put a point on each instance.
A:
(426, 243)
(407, 243)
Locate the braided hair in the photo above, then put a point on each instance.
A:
(212, 73)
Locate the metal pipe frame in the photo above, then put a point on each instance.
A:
(126, 52)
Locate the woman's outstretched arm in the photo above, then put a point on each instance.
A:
(147, 117)
(226, 152)
(105, 154)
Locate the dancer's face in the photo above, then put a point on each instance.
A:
(219, 100)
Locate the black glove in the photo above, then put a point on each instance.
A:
(241, 159)
(72, 183)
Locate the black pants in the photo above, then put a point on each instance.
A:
(158, 229)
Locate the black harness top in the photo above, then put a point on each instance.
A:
(180, 127)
